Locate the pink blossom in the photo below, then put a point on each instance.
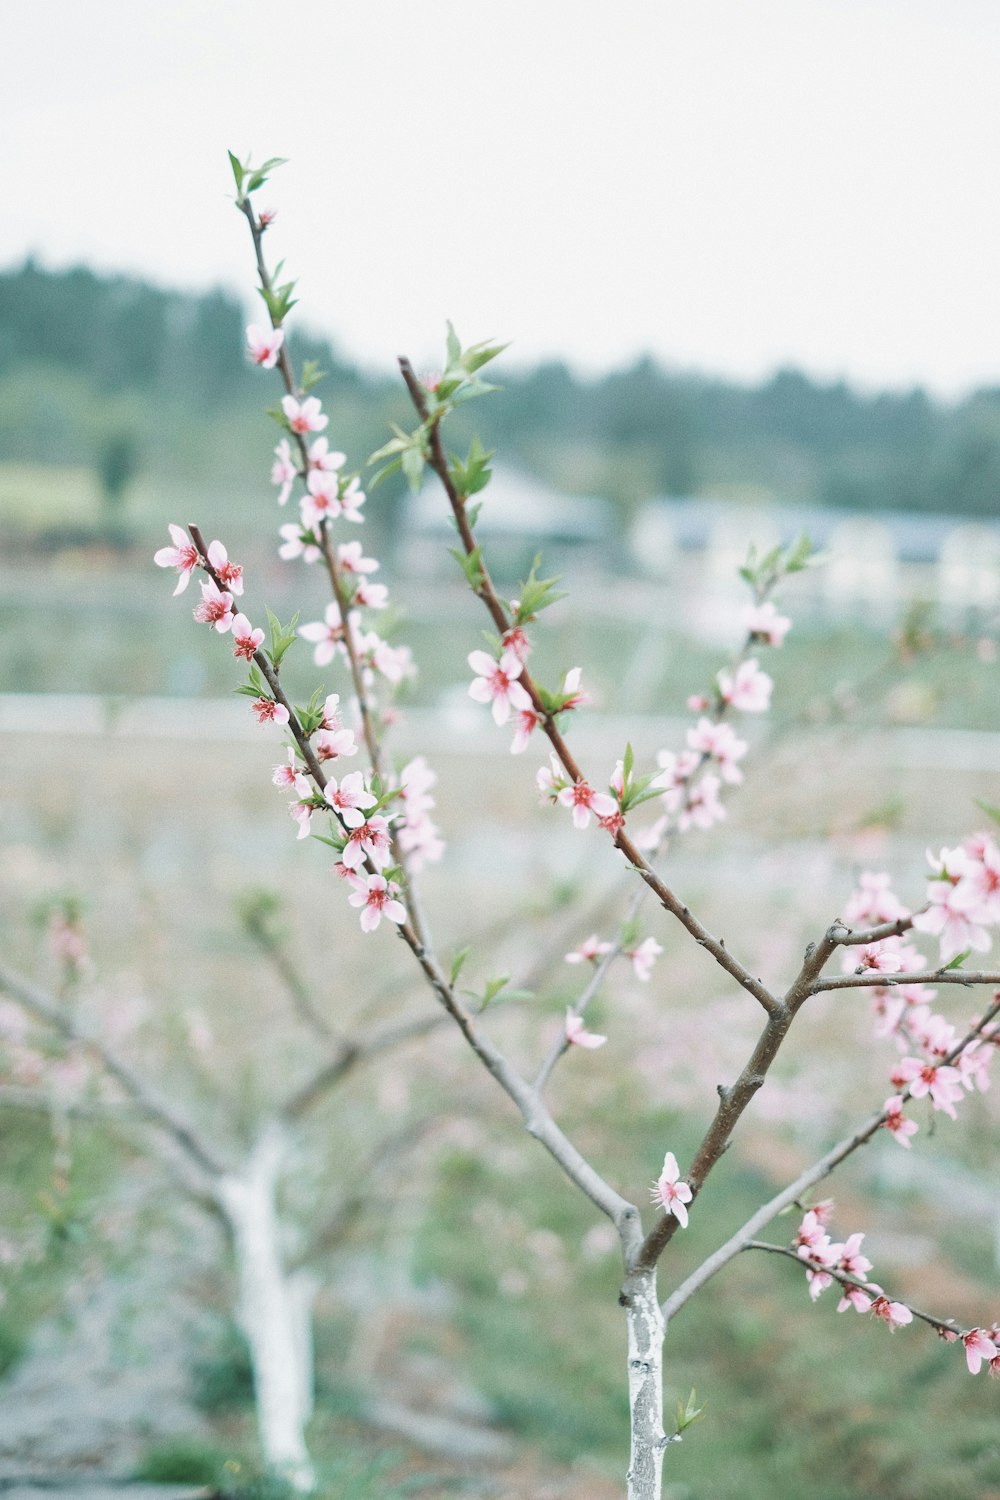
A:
(584, 801)
(811, 1233)
(589, 951)
(283, 470)
(331, 711)
(852, 1262)
(322, 456)
(873, 902)
(550, 780)
(818, 1281)
(350, 799)
(263, 345)
(763, 622)
(515, 640)
(421, 841)
(897, 1123)
(672, 1193)
(325, 635)
(183, 556)
(576, 1033)
(982, 878)
(703, 807)
(296, 543)
(698, 703)
(369, 838)
(246, 639)
(304, 416)
(676, 771)
(876, 958)
(351, 500)
(370, 595)
(350, 559)
(394, 662)
(497, 683)
(269, 712)
(322, 502)
(721, 742)
(643, 958)
(896, 1314)
(267, 216)
(973, 1064)
(418, 836)
(854, 1297)
(942, 1084)
(822, 1211)
(977, 1348)
(331, 744)
(955, 909)
(302, 812)
(216, 607)
(230, 573)
(291, 777)
(377, 897)
(572, 696)
(526, 721)
(749, 690)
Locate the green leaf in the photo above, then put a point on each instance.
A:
(239, 173)
(383, 473)
(453, 348)
(471, 564)
(493, 988)
(480, 354)
(628, 761)
(412, 461)
(535, 594)
(282, 637)
(311, 374)
(956, 962)
(458, 962)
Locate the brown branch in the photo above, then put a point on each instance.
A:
(851, 1283)
(801, 1185)
(487, 593)
(875, 980)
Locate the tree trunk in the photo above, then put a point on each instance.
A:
(274, 1312)
(645, 1386)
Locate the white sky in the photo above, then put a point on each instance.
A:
(732, 184)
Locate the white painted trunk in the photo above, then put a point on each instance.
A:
(645, 1387)
(274, 1312)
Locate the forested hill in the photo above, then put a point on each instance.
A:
(88, 360)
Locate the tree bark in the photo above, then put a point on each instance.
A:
(645, 1386)
(274, 1311)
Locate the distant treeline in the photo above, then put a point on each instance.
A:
(90, 363)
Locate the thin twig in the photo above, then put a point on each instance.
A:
(801, 1185)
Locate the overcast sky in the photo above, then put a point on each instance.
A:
(731, 184)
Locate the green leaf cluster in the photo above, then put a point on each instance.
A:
(249, 178)
(474, 474)
(763, 571)
(406, 451)
(282, 636)
(255, 686)
(536, 594)
(471, 564)
(279, 301)
(636, 789)
(460, 380)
